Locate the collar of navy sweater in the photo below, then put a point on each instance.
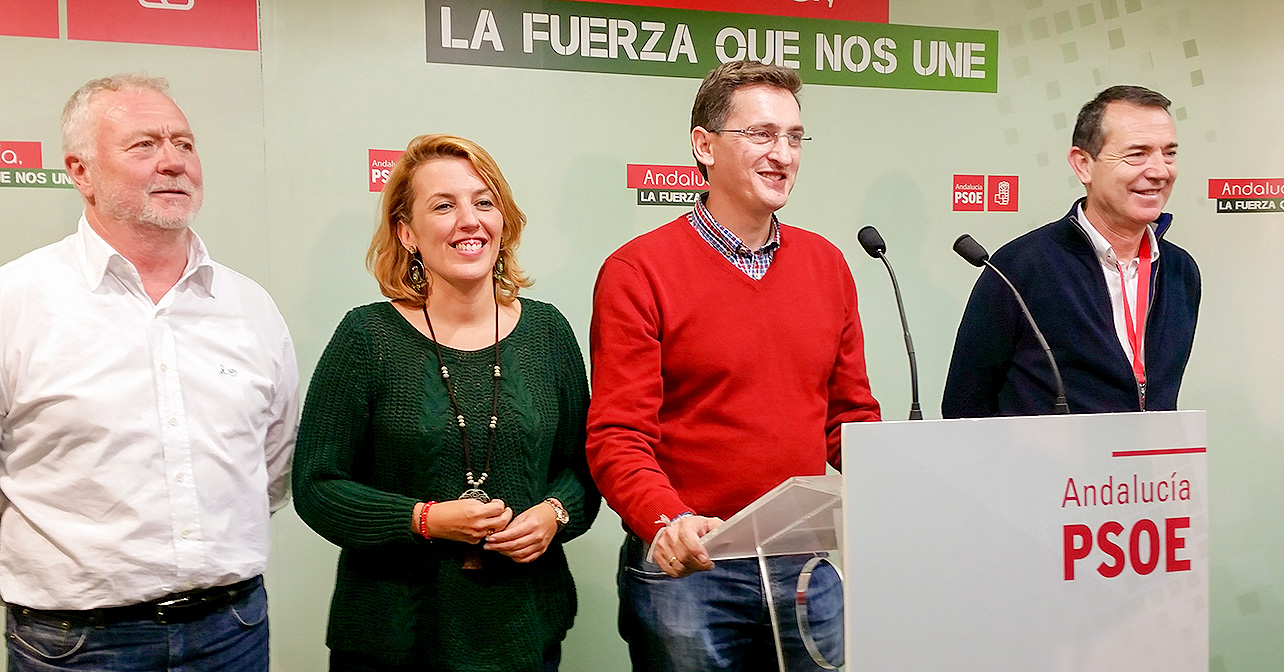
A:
(1161, 226)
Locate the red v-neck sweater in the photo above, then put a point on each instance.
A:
(709, 387)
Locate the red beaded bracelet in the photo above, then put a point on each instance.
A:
(423, 519)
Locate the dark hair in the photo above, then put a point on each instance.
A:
(713, 100)
(1088, 133)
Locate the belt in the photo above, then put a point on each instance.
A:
(185, 607)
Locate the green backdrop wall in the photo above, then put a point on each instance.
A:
(284, 134)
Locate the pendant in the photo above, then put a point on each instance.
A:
(477, 494)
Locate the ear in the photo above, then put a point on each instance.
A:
(700, 146)
(405, 235)
(1081, 164)
(78, 171)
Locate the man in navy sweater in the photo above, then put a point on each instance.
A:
(1116, 302)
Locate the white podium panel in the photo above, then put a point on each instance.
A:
(1052, 543)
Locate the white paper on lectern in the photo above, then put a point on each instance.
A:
(955, 533)
(796, 516)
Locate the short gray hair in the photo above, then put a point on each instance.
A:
(78, 120)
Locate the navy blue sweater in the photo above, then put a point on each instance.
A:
(998, 367)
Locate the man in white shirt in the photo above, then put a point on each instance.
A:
(148, 404)
(1115, 299)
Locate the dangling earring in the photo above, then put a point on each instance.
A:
(416, 276)
(498, 271)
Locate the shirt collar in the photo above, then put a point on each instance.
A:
(101, 259)
(1106, 253)
(725, 239)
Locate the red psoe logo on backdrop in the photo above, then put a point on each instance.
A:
(20, 155)
(29, 18)
(969, 193)
(665, 185)
(381, 163)
(220, 24)
(1258, 194)
(1001, 193)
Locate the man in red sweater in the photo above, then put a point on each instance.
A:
(727, 351)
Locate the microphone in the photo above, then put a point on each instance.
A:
(875, 247)
(974, 254)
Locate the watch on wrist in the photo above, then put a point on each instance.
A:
(562, 516)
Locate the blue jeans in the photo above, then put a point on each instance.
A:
(234, 639)
(718, 620)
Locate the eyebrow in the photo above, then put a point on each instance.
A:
(442, 194)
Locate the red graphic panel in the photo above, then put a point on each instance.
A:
(20, 155)
(682, 178)
(969, 193)
(1246, 187)
(869, 11)
(1002, 193)
(221, 24)
(381, 162)
(29, 18)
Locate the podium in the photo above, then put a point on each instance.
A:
(1063, 543)
(801, 515)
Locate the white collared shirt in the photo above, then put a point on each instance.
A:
(142, 446)
(1110, 268)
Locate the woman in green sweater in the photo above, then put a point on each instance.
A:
(442, 441)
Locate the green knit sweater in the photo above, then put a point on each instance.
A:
(378, 435)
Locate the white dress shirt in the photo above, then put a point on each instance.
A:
(142, 446)
(1110, 267)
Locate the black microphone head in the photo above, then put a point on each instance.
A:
(871, 241)
(971, 250)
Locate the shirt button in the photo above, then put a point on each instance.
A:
(179, 477)
(164, 368)
(173, 422)
(187, 533)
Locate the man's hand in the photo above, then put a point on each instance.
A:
(677, 549)
(528, 536)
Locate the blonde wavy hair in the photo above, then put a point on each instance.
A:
(389, 261)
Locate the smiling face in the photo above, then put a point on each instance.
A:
(757, 178)
(1130, 179)
(144, 170)
(454, 223)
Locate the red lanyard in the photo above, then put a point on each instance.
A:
(1137, 329)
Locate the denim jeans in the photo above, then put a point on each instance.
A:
(718, 620)
(234, 639)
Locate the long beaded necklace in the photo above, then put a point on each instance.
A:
(474, 490)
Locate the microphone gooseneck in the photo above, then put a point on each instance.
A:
(875, 247)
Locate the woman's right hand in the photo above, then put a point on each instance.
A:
(467, 520)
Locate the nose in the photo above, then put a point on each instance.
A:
(468, 219)
(1159, 167)
(170, 160)
(781, 152)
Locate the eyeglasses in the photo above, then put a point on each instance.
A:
(760, 136)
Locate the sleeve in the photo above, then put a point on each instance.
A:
(4, 403)
(624, 415)
(283, 423)
(333, 430)
(850, 399)
(569, 478)
(983, 351)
